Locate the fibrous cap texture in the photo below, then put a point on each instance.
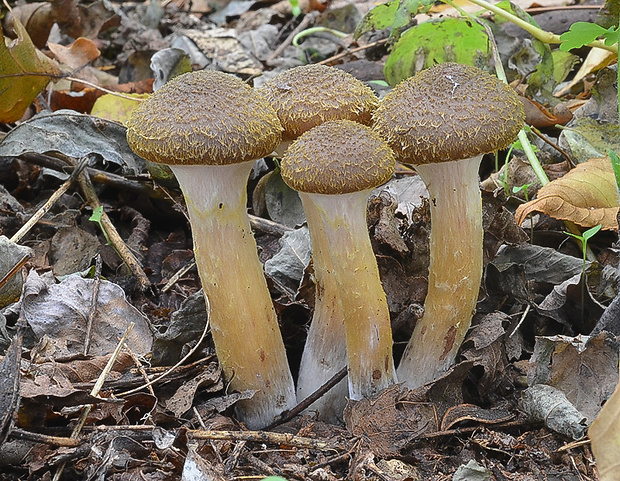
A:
(204, 117)
(309, 95)
(449, 112)
(337, 157)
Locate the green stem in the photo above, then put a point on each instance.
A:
(542, 35)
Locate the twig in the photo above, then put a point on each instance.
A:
(290, 414)
(18, 433)
(112, 234)
(178, 274)
(268, 226)
(187, 356)
(50, 202)
(93, 303)
(14, 270)
(95, 392)
(95, 175)
(305, 22)
(265, 437)
(353, 50)
(552, 144)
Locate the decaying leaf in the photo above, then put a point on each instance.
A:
(585, 370)
(61, 312)
(10, 255)
(588, 137)
(604, 433)
(116, 108)
(25, 73)
(587, 196)
(76, 55)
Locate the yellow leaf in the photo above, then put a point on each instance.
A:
(24, 73)
(113, 107)
(604, 432)
(587, 196)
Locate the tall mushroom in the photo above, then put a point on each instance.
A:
(334, 166)
(305, 97)
(210, 127)
(442, 120)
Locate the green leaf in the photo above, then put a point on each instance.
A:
(591, 232)
(396, 14)
(448, 40)
(582, 33)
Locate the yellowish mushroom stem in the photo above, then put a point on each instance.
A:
(244, 326)
(341, 241)
(455, 270)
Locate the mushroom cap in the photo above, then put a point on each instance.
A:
(204, 117)
(337, 157)
(309, 95)
(449, 112)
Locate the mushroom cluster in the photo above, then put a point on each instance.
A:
(210, 127)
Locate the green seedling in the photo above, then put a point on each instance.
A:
(583, 240)
(96, 217)
(295, 7)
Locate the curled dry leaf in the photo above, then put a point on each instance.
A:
(587, 196)
(76, 55)
(604, 433)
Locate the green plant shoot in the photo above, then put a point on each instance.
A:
(295, 7)
(96, 217)
(583, 33)
(583, 238)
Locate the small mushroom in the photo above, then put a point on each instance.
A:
(308, 95)
(334, 166)
(210, 127)
(442, 121)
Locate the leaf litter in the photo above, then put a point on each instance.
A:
(164, 410)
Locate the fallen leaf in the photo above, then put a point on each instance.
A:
(116, 108)
(25, 73)
(586, 195)
(36, 17)
(76, 55)
(604, 433)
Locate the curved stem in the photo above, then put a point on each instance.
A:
(342, 243)
(243, 321)
(455, 270)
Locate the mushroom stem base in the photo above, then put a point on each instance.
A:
(455, 270)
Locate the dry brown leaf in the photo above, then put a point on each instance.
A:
(587, 196)
(25, 73)
(604, 432)
(76, 55)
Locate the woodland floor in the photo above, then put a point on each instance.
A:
(473, 424)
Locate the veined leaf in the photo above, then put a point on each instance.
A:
(25, 72)
(448, 40)
(396, 14)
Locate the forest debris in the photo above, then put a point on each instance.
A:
(586, 195)
(12, 258)
(549, 405)
(58, 311)
(585, 370)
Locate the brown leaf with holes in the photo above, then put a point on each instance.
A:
(587, 196)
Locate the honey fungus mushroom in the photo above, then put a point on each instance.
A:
(334, 166)
(209, 127)
(441, 121)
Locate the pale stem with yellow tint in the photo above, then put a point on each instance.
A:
(353, 266)
(325, 351)
(244, 326)
(455, 270)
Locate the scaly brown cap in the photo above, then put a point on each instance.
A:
(449, 112)
(309, 95)
(204, 117)
(337, 157)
